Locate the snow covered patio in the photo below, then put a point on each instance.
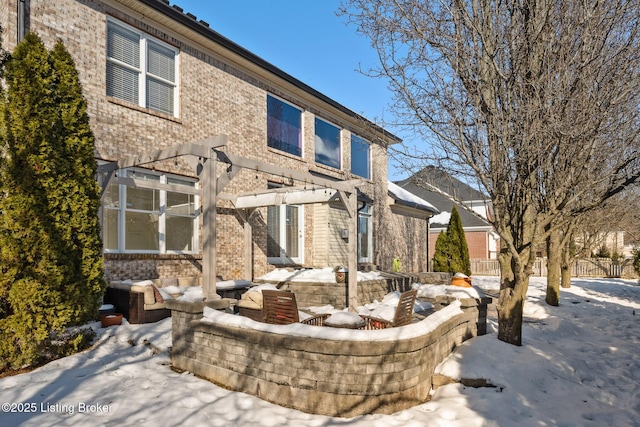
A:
(580, 368)
(323, 370)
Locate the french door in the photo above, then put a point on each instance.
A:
(285, 234)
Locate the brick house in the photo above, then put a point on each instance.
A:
(444, 191)
(155, 77)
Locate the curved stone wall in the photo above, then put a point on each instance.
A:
(320, 370)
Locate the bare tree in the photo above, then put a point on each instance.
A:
(578, 235)
(537, 99)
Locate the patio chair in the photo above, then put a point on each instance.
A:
(280, 308)
(403, 315)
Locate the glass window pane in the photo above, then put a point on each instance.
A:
(363, 236)
(180, 204)
(110, 229)
(122, 83)
(292, 228)
(123, 45)
(360, 157)
(179, 181)
(143, 199)
(273, 231)
(179, 233)
(112, 196)
(141, 231)
(161, 62)
(159, 96)
(284, 126)
(327, 144)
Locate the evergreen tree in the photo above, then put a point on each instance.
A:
(451, 252)
(460, 260)
(51, 255)
(442, 252)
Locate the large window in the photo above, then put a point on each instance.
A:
(327, 144)
(153, 214)
(141, 70)
(360, 157)
(284, 126)
(365, 242)
(284, 233)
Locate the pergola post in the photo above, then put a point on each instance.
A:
(209, 192)
(248, 243)
(350, 202)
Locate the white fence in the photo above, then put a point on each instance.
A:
(584, 267)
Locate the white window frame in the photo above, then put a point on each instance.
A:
(143, 73)
(366, 214)
(369, 165)
(163, 188)
(284, 258)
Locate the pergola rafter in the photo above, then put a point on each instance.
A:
(314, 189)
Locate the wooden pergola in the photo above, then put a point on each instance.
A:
(204, 156)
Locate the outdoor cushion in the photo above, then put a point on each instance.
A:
(128, 285)
(155, 306)
(246, 303)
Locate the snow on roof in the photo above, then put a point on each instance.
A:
(402, 195)
(442, 218)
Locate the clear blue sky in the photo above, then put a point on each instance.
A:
(306, 39)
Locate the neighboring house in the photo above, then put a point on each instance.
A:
(155, 78)
(443, 191)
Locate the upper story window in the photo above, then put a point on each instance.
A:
(140, 69)
(360, 157)
(327, 144)
(284, 126)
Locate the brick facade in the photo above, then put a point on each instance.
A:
(220, 93)
(477, 242)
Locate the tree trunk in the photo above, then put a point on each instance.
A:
(510, 307)
(510, 311)
(554, 254)
(565, 267)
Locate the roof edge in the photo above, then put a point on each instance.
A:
(201, 27)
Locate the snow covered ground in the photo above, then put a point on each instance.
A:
(579, 366)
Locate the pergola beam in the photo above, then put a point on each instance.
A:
(200, 149)
(285, 196)
(291, 174)
(322, 190)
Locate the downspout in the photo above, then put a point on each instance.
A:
(23, 19)
(427, 239)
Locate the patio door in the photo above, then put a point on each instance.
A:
(285, 234)
(365, 246)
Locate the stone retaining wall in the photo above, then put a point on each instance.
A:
(334, 377)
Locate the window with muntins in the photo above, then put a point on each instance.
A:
(140, 69)
(154, 214)
(360, 157)
(327, 144)
(284, 126)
